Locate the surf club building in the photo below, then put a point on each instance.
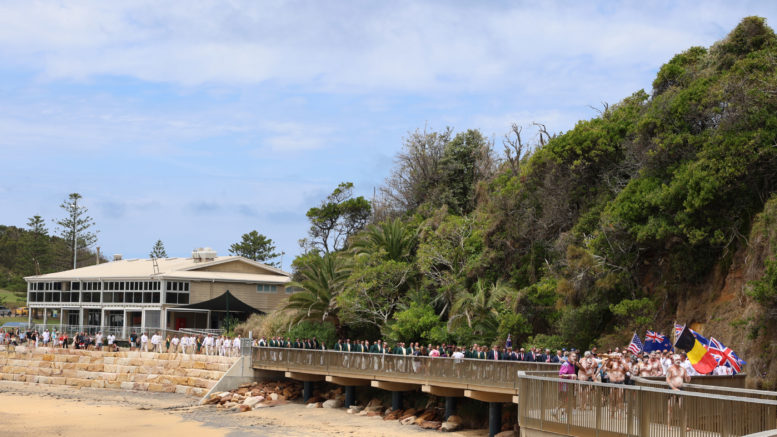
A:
(128, 295)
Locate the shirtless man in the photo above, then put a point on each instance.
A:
(676, 376)
(587, 371)
(616, 374)
(656, 368)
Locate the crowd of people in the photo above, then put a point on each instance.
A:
(138, 340)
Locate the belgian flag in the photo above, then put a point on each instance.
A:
(700, 358)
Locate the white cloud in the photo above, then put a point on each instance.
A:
(351, 46)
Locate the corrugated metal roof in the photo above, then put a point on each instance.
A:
(168, 267)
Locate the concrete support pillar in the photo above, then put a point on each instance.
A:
(29, 316)
(81, 319)
(450, 406)
(494, 418)
(349, 395)
(45, 314)
(307, 390)
(396, 400)
(124, 325)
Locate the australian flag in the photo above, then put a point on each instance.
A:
(657, 342)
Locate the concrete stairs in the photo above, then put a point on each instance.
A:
(144, 371)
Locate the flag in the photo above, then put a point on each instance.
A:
(635, 346)
(726, 356)
(678, 329)
(657, 342)
(700, 358)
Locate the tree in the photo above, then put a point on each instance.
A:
(395, 240)
(479, 310)
(158, 251)
(321, 280)
(36, 246)
(339, 216)
(75, 227)
(257, 247)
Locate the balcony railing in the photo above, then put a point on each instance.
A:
(425, 370)
(589, 409)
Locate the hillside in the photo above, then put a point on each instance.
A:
(660, 209)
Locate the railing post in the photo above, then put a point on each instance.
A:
(644, 413)
(597, 395)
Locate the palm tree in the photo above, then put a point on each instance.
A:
(321, 280)
(478, 308)
(391, 237)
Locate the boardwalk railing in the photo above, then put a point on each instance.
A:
(448, 372)
(596, 409)
(713, 390)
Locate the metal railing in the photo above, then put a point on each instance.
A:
(590, 409)
(449, 372)
(711, 389)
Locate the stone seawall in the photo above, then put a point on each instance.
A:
(145, 371)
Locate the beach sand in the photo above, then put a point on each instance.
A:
(45, 410)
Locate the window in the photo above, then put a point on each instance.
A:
(292, 290)
(266, 288)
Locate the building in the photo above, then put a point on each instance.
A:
(156, 294)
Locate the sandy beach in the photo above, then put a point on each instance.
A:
(44, 410)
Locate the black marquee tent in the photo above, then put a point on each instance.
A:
(227, 302)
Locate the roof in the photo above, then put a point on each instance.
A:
(169, 268)
(221, 303)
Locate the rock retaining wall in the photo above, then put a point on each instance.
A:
(144, 371)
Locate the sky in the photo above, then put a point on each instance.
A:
(195, 122)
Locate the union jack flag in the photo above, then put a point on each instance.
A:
(725, 356)
(635, 346)
(654, 336)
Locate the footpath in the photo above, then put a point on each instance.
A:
(142, 371)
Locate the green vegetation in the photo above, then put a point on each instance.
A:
(553, 243)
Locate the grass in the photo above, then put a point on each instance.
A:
(12, 299)
(24, 319)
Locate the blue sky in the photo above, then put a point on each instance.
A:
(195, 122)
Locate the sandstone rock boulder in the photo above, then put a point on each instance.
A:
(243, 408)
(392, 415)
(431, 424)
(454, 419)
(509, 433)
(333, 403)
(408, 420)
(253, 400)
(450, 426)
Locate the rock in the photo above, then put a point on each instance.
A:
(311, 405)
(333, 403)
(242, 391)
(229, 404)
(408, 413)
(392, 415)
(363, 413)
(450, 426)
(356, 408)
(426, 416)
(373, 414)
(224, 394)
(374, 409)
(253, 400)
(431, 424)
(510, 433)
(454, 419)
(375, 402)
(407, 420)
(319, 405)
(213, 399)
(274, 396)
(243, 408)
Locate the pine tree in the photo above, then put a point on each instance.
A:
(158, 251)
(76, 226)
